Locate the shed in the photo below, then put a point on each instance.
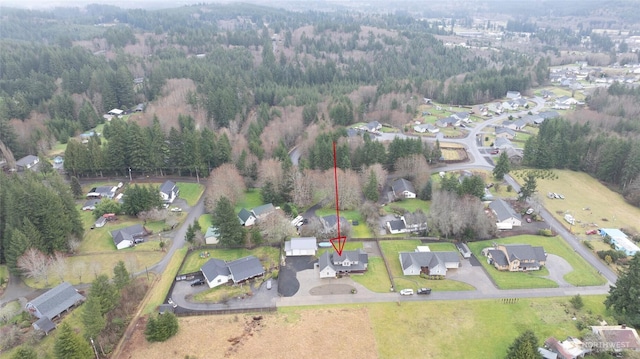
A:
(211, 236)
(45, 324)
(301, 246)
(55, 301)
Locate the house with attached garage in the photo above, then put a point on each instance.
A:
(506, 216)
(403, 189)
(516, 257)
(52, 303)
(448, 122)
(429, 263)
(330, 264)
(129, 236)
(301, 246)
(502, 143)
(103, 191)
(169, 191)
(246, 218)
(29, 162)
(217, 272)
(462, 116)
(504, 132)
(373, 126)
(397, 226)
(426, 127)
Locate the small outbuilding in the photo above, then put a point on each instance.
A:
(301, 246)
(54, 302)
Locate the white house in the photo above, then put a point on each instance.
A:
(506, 217)
(397, 226)
(115, 112)
(301, 246)
(169, 191)
(430, 263)
(216, 272)
(246, 218)
(330, 263)
(127, 237)
(426, 127)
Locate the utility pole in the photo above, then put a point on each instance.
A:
(94, 348)
(130, 174)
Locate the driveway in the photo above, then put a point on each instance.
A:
(288, 283)
(183, 293)
(558, 267)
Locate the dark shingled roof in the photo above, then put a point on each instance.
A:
(167, 188)
(244, 215)
(56, 300)
(427, 259)
(503, 210)
(400, 185)
(498, 257)
(525, 252)
(264, 209)
(397, 225)
(45, 324)
(26, 160)
(245, 268)
(214, 267)
(129, 233)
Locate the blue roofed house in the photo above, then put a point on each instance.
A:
(403, 189)
(331, 264)
(429, 263)
(246, 218)
(516, 257)
(506, 216)
(128, 236)
(620, 240)
(169, 191)
(52, 303)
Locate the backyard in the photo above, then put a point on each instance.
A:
(359, 231)
(582, 275)
(391, 249)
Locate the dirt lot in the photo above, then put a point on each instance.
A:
(303, 334)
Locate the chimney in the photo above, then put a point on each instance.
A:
(624, 326)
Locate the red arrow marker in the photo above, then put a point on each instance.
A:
(339, 241)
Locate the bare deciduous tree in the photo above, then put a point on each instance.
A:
(302, 188)
(95, 268)
(59, 265)
(276, 227)
(35, 264)
(153, 214)
(74, 244)
(78, 268)
(224, 181)
(270, 170)
(451, 215)
(414, 168)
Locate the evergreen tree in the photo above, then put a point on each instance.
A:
(92, 317)
(140, 198)
(371, 188)
(427, 191)
(623, 297)
(525, 346)
(473, 185)
(24, 352)
(190, 235)
(269, 193)
(106, 293)
(76, 188)
(225, 218)
(69, 345)
(502, 166)
(529, 188)
(161, 328)
(121, 276)
(18, 243)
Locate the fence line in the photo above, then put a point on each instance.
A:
(189, 313)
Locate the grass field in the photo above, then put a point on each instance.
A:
(607, 209)
(375, 278)
(190, 192)
(205, 221)
(267, 255)
(391, 249)
(251, 199)
(409, 205)
(84, 268)
(582, 275)
(218, 294)
(161, 288)
(100, 240)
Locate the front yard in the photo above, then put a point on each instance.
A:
(194, 261)
(582, 275)
(190, 192)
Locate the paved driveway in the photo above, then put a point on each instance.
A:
(558, 267)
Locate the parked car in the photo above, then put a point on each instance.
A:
(528, 219)
(406, 292)
(495, 152)
(424, 291)
(197, 282)
(592, 231)
(269, 284)
(173, 304)
(176, 209)
(529, 211)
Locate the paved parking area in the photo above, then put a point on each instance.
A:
(288, 283)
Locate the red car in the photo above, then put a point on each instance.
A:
(592, 231)
(495, 152)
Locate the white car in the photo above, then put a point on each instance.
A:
(406, 292)
(176, 209)
(173, 304)
(529, 211)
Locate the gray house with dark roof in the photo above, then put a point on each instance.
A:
(505, 132)
(246, 218)
(128, 236)
(403, 189)
(373, 126)
(516, 257)
(502, 143)
(169, 191)
(429, 263)
(245, 268)
(331, 264)
(55, 301)
(29, 162)
(506, 216)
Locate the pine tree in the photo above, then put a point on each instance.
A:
(76, 188)
(106, 292)
(529, 188)
(92, 317)
(371, 189)
(524, 347)
(161, 328)
(24, 352)
(69, 345)
(121, 276)
(623, 297)
(225, 218)
(426, 192)
(502, 166)
(18, 243)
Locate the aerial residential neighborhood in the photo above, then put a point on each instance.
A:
(313, 179)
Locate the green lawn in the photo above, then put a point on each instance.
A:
(348, 246)
(375, 278)
(4, 274)
(252, 198)
(391, 249)
(582, 275)
(409, 205)
(190, 192)
(205, 222)
(222, 293)
(267, 255)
